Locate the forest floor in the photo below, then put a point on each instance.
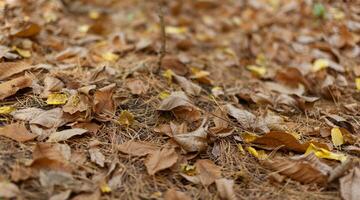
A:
(254, 99)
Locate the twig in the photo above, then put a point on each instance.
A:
(162, 52)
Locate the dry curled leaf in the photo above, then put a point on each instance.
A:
(65, 134)
(10, 87)
(137, 86)
(49, 119)
(305, 169)
(77, 103)
(7, 69)
(51, 84)
(137, 148)
(206, 172)
(174, 64)
(160, 159)
(173, 194)
(225, 188)
(17, 132)
(103, 100)
(29, 30)
(350, 184)
(97, 157)
(179, 104)
(27, 114)
(193, 141)
(188, 86)
(222, 127)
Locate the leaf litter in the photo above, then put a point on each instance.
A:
(247, 92)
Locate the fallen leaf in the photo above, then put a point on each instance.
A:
(305, 169)
(103, 100)
(10, 87)
(282, 89)
(51, 156)
(77, 103)
(7, 69)
(126, 118)
(17, 132)
(193, 141)
(27, 114)
(61, 196)
(65, 134)
(337, 137)
(109, 56)
(357, 84)
(89, 126)
(137, 148)
(160, 159)
(97, 157)
(31, 29)
(225, 188)
(49, 119)
(189, 87)
(22, 52)
(180, 105)
(8, 190)
(50, 178)
(51, 84)
(349, 185)
(105, 188)
(5, 110)
(206, 172)
(259, 71)
(173, 194)
(222, 127)
(57, 99)
(137, 86)
(257, 154)
(88, 196)
(323, 153)
(21, 173)
(173, 63)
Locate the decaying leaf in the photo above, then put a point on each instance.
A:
(225, 188)
(51, 156)
(103, 100)
(17, 132)
(97, 157)
(49, 119)
(160, 159)
(7, 69)
(27, 114)
(77, 103)
(65, 134)
(126, 118)
(193, 141)
(349, 185)
(181, 106)
(305, 169)
(206, 172)
(137, 148)
(173, 194)
(189, 87)
(10, 87)
(8, 190)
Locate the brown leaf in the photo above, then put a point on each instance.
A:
(173, 63)
(180, 105)
(222, 127)
(282, 89)
(17, 132)
(188, 86)
(103, 100)
(136, 86)
(7, 69)
(275, 139)
(9, 88)
(88, 196)
(31, 29)
(160, 160)
(173, 194)
(21, 173)
(97, 157)
(8, 190)
(49, 119)
(137, 148)
(305, 169)
(350, 184)
(77, 103)
(26, 114)
(51, 84)
(65, 134)
(193, 141)
(61, 196)
(51, 156)
(206, 172)
(225, 187)
(90, 126)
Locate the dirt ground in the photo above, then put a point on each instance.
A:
(254, 99)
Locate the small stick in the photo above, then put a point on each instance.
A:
(162, 52)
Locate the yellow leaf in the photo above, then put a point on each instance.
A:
(296, 135)
(109, 56)
(164, 95)
(105, 188)
(337, 137)
(241, 149)
(323, 153)
(320, 64)
(257, 154)
(93, 14)
(22, 52)
(175, 30)
(337, 13)
(189, 170)
(248, 137)
(168, 74)
(84, 28)
(57, 99)
(126, 118)
(197, 73)
(257, 70)
(357, 83)
(4, 110)
(260, 60)
(50, 16)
